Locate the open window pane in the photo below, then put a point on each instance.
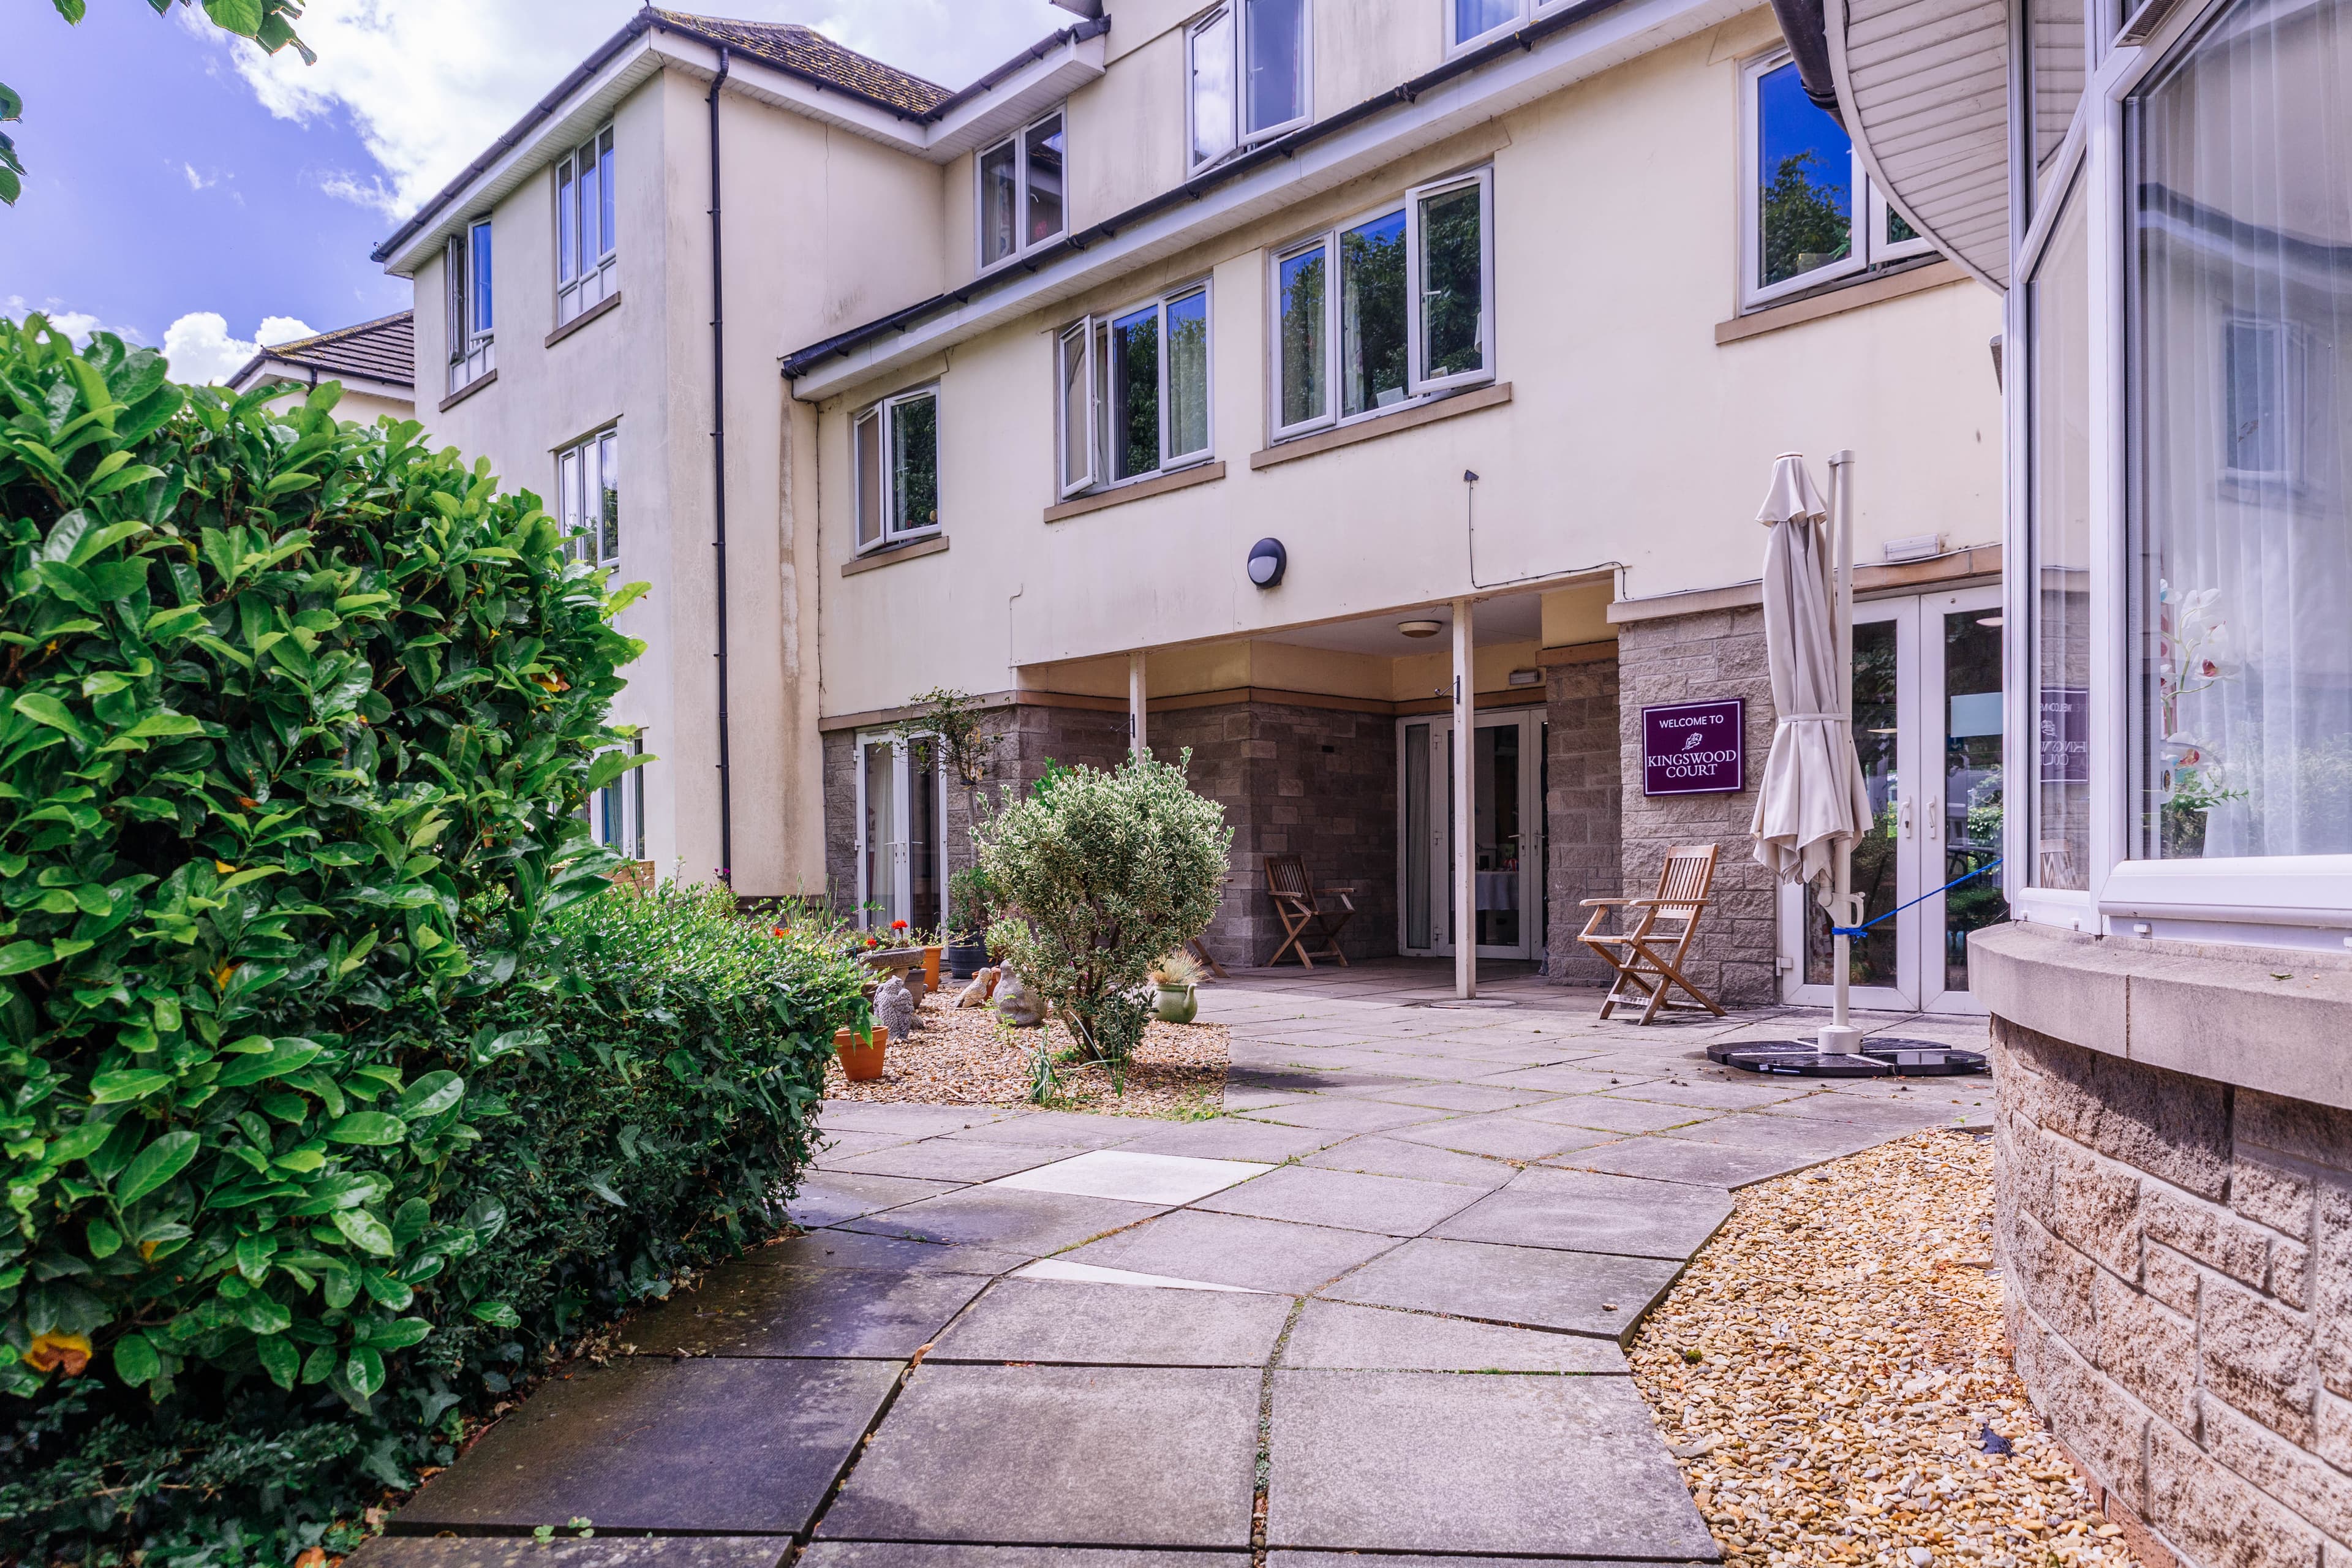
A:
(567, 224)
(607, 232)
(591, 207)
(915, 462)
(1452, 302)
(1212, 87)
(456, 270)
(1372, 315)
(608, 496)
(1043, 145)
(567, 507)
(1275, 89)
(1302, 333)
(2054, 64)
(2058, 402)
(479, 245)
(1188, 374)
(1804, 182)
(1135, 394)
(867, 437)
(1076, 409)
(1472, 18)
(998, 202)
(2239, 529)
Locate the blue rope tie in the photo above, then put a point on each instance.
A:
(1993, 864)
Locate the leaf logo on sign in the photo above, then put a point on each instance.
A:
(1693, 742)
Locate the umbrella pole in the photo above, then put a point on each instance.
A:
(1840, 1037)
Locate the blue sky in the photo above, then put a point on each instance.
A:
(174, 176)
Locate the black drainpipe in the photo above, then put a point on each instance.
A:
(719, 480)
(1806, 32)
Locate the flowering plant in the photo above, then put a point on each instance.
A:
(2193, 654)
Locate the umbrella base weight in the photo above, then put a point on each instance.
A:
(1881, 1059)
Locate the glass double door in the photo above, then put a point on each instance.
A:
(901, 847)
(1928, 726)
(1506, 796)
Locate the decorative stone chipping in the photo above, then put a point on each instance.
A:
(1584, 809)
(1682, 658)
(2179, 1256)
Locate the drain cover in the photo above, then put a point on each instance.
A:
(1879, 1058)
(1467, 1002)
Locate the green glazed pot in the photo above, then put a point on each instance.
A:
(1177, 1003)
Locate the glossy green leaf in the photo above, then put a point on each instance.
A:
(364, 1231)
(135, 1362)
(367, 1127)
(157, 1163)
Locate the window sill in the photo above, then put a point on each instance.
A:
(469, 390)
(1159, 485)
(605, 306)
(1846, 294)
(891, 554)
(1411, 418)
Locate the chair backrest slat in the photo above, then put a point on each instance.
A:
(1286, 874)
(1689, 873)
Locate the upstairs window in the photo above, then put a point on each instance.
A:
(587, 260)
(1022, 191)
(1132, 392)
(588, 492)
(1469, 22)
(467, 261)
(1809, 215)
(1394, 307)
(895, 468)
(1247, 64)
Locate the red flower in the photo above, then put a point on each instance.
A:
(897, 925)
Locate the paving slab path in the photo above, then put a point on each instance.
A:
(1381, 1306)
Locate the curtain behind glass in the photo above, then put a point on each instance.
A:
(2241, 544)
(2058, 312)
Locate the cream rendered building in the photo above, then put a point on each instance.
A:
(1491, 313)
(374, 362)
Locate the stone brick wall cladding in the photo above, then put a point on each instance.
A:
(1302, 781)
(2178, 1261)
(1683, 659)
(1584, 810)
(1296, 780)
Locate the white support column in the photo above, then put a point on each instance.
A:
(1465, 848)
(1135, 743)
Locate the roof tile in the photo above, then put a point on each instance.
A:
(807, 52)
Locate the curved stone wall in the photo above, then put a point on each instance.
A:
(2177, 1258)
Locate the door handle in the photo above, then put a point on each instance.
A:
(1934, 818)
(1902, 814)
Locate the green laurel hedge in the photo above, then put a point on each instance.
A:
(295, 719)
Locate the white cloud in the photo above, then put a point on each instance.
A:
(200, 349)
(198, 182)
(429, 84)
(75, 325)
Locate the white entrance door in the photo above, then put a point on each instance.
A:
(1926, 707)
(901, 851)
(1508, 830)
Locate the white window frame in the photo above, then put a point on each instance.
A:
(882, 413)
(578, 465)
(1419, 387)
(1087, 339)
(599, 280)
(471, 352)
(621, 804)
(1243, 137)
(2298, 900)
(1019, 141)
(1868, 211)
(2291, 390)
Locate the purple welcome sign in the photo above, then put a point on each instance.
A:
(1694, 748)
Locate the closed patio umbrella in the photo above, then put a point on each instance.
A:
(1812, 804)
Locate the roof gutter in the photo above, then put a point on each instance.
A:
(799, 363)
(1807, 34)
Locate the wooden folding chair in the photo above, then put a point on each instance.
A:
(1648, 957)
(1297, 900)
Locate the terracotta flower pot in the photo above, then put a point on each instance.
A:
(931, 967)
(859, 1063)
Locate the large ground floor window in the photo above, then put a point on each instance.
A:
(901, 839)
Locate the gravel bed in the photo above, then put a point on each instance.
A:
(967, 1056)
(1827, 1368)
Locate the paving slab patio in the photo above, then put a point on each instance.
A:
(1416, 1241)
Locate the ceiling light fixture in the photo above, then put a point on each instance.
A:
(1421, 628)
(1991, 620)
